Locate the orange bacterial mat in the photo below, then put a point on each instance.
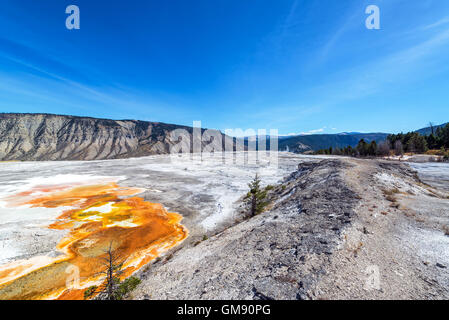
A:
(99, 215)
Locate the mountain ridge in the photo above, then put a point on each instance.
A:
(315, 142)
(312, 142)
(44, 136)
(428, 130)
(40, 137)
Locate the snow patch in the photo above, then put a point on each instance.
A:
(390, 181)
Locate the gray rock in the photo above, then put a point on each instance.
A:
(265, 258)
(57, 137)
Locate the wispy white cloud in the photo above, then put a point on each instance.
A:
(406, 65)
(314, 131)
(349, 22)
(43, 80)
(290, 19)
(439, 23)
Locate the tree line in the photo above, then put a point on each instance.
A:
(398, 144)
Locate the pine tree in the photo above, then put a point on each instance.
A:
(372, 148)
(362, 148)
(257, 196)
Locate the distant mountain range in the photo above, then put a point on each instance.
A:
(428, 130)
(60, 137)
(313, 142)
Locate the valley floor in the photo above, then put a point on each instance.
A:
(336, 227)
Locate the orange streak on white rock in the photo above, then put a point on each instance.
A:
(140, 231)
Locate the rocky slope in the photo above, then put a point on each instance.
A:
(56, 137)
(333, 225)
(275, 255)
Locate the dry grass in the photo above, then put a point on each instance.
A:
(446, 230)
(391, 198)
(434, 152)
(168, 258)
(286, 279)
(357, 249)
(409, 214)
(438, 152)
(391, 192)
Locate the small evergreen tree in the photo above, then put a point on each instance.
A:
(362, 148)
(444, 136)
(372, 148)
(432, 142)
(256, 196)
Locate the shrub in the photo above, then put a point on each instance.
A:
(90, 292)
(390, 198)
(256, 196)
(446, 156)
(127, 286)
(446, 230)
(391, 192)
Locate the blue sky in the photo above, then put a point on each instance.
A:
(298, 66)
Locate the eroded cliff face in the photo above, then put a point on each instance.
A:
(55, 137)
